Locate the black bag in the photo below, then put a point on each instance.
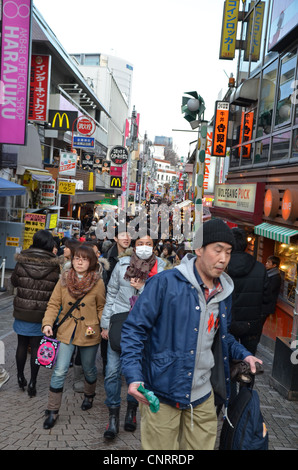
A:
(57, 324)
(116, 322)
(244, 427)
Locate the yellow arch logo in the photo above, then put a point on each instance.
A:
(116, 182)
(61, 118)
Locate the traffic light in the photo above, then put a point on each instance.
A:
(193, 106)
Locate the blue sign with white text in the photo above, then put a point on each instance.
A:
(85, 142)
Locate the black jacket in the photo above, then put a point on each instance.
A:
(252, 294)
(112, 256)
(275, 282)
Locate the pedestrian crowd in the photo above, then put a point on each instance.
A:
(169, 319)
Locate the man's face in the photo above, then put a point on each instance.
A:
(144, 241)
(213, 259)
(123, 240)
(269, 264)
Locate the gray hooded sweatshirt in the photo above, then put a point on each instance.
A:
(201, 384)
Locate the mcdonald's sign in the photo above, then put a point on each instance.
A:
(60, 120)
(115, 182)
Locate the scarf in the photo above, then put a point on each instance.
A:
(139, 268)
(79, 287)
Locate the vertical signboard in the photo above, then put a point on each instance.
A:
(39, 87)
(15, 53)
(210, 165)
(220, 129)
(254, 32)
(229, 29)
(246, 133)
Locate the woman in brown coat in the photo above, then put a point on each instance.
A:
(81, 329)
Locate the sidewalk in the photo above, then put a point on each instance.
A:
(21, 417)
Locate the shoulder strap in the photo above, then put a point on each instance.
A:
(69, 312)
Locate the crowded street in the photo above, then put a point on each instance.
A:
(149, 234)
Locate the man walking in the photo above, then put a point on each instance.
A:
(176, 342)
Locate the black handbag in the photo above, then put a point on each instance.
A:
(116, 322)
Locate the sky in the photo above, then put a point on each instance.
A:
(173, 46)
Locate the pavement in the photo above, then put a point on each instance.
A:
(21, 417)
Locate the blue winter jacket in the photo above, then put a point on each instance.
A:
(159, 340)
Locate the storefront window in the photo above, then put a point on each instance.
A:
(287, 75)
(280, 146)
(262, 148)
(267, 99)
(288, 255)
(295, 144)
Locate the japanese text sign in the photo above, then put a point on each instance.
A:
(229, 29)
(15, 49)
(254, 32)
(246, 133)
(39, 87)
(220, 129)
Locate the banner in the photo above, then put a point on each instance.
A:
(220, 129)
(229, 29)
(15, 52)
(39, 87)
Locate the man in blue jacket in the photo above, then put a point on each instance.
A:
(176, 343)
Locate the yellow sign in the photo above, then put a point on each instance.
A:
(66, 187)
(12, 241)
(253, 38)
(53, 221)
(115, 182)
(229, 29)
(33, 223)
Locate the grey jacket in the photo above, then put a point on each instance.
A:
(119, 291)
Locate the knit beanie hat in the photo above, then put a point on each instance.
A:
(212, 231)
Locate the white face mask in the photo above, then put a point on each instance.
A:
(144, 252)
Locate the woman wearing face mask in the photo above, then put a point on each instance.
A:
(128, 279)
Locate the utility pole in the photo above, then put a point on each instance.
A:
(131, 143)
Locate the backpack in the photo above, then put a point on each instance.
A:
(244, 427)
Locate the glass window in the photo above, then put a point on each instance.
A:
(295, 144)
(288, 255)
(287, 75)
(92, 59)
(262, 148)
(280, 146)
(267, 99)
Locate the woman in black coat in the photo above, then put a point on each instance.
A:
(35, 275)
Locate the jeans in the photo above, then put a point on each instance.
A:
(88, 357)
(112, 381)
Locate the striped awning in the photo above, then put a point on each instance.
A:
(279, 234)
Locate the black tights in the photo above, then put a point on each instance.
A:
(21, 355)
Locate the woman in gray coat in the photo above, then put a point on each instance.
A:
(35, 275)
(128, 279)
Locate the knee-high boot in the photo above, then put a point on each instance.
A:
(89, 394)
(54, 403)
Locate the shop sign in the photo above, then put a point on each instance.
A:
(68, 163)
(83, 142)
(62, 120)
(33, 223)
(119, 155)
(15, 34)
(66, 187)
(271, 202)
(289, 205)
(47, 193)
(241, 197)
(39, 87)
(210, 165)
(86, 126)
(246, 133)
(115, 182)
(254, 37)
(229, 29)
(220, 129)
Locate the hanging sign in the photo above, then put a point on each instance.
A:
(220, 129)
(119, 155)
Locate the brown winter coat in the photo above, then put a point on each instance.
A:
(35, 276)
(89, 314)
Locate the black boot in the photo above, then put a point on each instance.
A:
(87, 402)
(113, 426)
(32, 389)
(51, 419)
(130, 423)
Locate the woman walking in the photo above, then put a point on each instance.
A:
(35, 276)
(83, 282)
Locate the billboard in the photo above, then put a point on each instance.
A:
(229, 29)
(284, 20)
(220, 129)
(15, 53)
(39, 87)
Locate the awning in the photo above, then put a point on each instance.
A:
(40, 175)
(8, 188)
(86, 196)
(275, 232)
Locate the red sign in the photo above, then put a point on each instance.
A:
(85, 126)
(39, 87)
(116, 171)
(220, 130)
(246, 130)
